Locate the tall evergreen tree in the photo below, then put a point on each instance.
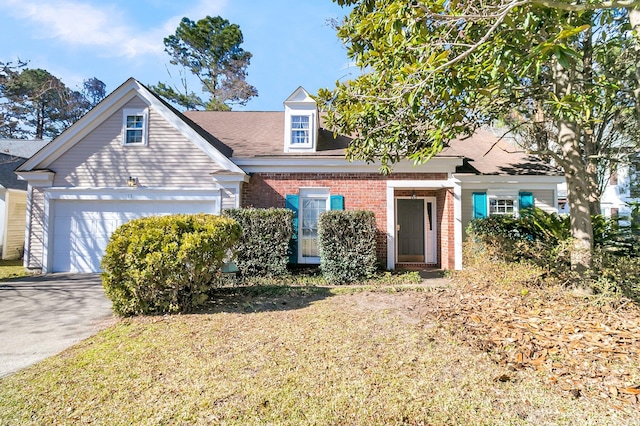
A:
(210, 50)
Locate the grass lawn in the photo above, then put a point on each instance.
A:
(306, 355)
(12, 269)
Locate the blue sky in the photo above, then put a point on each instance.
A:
(291, 42)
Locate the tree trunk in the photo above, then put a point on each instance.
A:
(576, 175)
(634, 20)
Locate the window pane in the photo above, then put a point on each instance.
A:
(311, 209)
(300, 122)
(134, 121)
(134, 136)
(299, 136)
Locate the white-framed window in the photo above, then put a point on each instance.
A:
(313, 202)
(300, 127)
(502, 206)
(502, 203)
(134, 126)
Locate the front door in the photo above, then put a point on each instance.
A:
(416, 233)
(410, 230)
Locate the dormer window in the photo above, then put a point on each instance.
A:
(300, 129)
(134, 130)
(300, 122)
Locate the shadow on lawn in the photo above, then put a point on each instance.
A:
(263, 298)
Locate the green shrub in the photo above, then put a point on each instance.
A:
(347, 243)
(165, 264)
(263, 248)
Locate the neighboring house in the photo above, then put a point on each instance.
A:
(134, 155)
(623, 189)
(13, 195)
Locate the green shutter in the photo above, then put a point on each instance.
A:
(292, 204)
(479, 205)
(525, 201)
(337, 202)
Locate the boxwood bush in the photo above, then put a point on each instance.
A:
(166, 264)
(347, 242)
(263, 247)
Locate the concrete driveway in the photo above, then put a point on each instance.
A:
(42, 315)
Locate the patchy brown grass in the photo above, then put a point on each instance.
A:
(301, 356)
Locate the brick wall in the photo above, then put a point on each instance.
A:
(361, 191)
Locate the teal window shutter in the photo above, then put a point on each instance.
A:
(337, 202)
(479, 205)
(291, 202)
(525, 201)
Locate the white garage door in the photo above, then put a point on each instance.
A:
(81, 229)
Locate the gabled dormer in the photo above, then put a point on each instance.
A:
(300, 122)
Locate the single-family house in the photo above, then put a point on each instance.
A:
(134, 155)
(13, 195)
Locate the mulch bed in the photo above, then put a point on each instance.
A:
(586, 348)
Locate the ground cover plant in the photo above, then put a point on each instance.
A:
(12, 269)
(345, 355)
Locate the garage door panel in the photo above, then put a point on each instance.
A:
(81, 229)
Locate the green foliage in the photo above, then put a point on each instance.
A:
(36, 104)
(264, 245)
(542, 240)
(166, 264)
(347, 242)
(210, 50)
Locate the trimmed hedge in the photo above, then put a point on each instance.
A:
(347, 242)
(166, 264)
(263, 247)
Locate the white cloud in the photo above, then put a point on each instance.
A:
(103, 26)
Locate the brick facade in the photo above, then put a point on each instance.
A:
(361, 191)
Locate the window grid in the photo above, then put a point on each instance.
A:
(501, 206)
(134, 129)
(299, 129)
(311, 210)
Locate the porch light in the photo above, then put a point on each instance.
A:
(413, 195)
(132, 181)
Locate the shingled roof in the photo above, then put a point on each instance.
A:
(485, 153)
(261, 134)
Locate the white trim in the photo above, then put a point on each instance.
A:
(323, 193)
(392, 185)
(144, 112)
(139, 194)
(231, 178)
(457, 225)
(27, 234)
(391, 228)
(338, 164)
(477, 181)
(37, 178)
(430, 244)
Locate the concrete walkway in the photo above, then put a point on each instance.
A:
(43, 315)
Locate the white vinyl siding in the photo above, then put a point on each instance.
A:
(35, 244)
(168, 160)
(16, 210)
